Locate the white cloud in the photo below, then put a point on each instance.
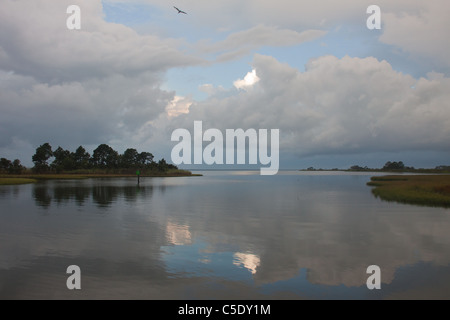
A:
(249, 80)
(178, 105)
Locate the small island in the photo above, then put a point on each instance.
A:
(104, 162)
(390, 167)
(426, 187)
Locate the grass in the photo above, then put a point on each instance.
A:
(8, 179)
(13, 181)
(426, 190)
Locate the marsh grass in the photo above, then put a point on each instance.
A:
(426, 190)
(6, 179)
(36, 177)
(13, 181)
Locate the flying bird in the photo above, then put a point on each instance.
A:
(179, 11)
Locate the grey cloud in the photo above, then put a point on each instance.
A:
(414, 27)
(243, 42)
(77, 113)
(34, 40)
(100, 84)
(420, 33)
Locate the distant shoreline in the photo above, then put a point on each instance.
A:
(420, 171)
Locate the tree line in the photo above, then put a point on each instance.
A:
(399, 166)
(390, 166)
(103, 158)
(11, 167)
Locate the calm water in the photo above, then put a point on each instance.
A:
(226, 235)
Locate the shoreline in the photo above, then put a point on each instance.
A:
(393, 172)
(12, 181)
(17, 179)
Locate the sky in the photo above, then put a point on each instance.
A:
(339, 93)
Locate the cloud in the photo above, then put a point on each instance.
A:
(178, 105)
(74, 113)
(35, 41)
(210, 89)
(420, 32)
(249, 80)
(336, 106)
(100, 84)
(415, 27)
(238, 14)
(243, 42)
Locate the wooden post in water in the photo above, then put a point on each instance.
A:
(138, 173)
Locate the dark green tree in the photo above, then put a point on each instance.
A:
(81, 158)
(394, 165)
(130, 158)
(145, 158)
(16, 167)
(105, 157)
(63, 160)
(41, 157)
(162, 165)
(5, 165)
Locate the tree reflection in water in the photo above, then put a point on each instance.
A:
(47, 193)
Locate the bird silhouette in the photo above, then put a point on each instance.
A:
(179, 11)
